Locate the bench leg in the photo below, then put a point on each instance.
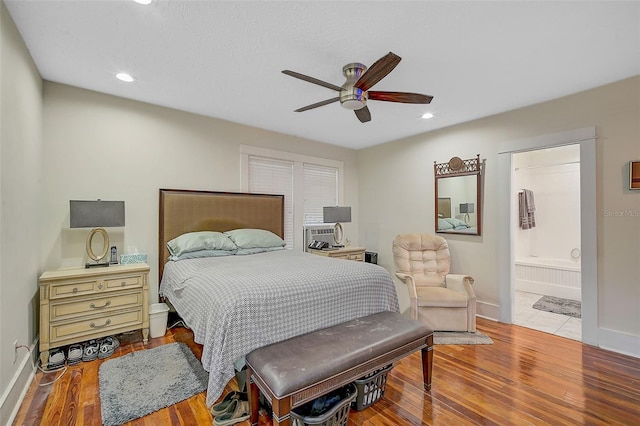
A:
(253, 393)
(427, 363)
(281, 412)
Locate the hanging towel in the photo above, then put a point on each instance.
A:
(526, 209)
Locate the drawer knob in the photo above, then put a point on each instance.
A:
(75, 290)
(100, 286)
(93, 305)
(93, 325)
(123, 283)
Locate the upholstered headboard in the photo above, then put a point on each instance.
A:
(183, 211)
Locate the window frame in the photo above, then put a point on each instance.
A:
(298, 181)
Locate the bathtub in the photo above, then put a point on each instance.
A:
(550, 277)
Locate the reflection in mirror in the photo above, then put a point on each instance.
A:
(457, 188)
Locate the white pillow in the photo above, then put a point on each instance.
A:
(197, 241)
(254, 238)
(202, 253)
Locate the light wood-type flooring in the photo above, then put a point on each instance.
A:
(526, 377)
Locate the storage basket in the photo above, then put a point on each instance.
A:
(371, 388)
(337, 415)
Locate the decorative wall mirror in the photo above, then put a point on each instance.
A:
(458, 196)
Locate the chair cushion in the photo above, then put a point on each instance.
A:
(440, 297)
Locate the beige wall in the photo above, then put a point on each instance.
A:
(401, 174)
(100, 146)
(20, 191)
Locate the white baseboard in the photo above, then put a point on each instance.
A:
(616, 341)
(12, 398)
(487, 310)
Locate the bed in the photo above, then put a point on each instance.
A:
(237, 303)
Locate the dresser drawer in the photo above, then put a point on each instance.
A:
(118, 283)
(339, 256)
(96, 324)
(60, 310)
(74, 288)
(357, 256)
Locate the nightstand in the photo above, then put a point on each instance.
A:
(348, 253)
(83, 304)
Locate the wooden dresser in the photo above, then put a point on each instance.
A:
(82, 304)
(348, 253)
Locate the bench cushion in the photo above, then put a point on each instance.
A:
(299, 362)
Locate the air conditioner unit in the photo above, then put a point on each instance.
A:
(318, 233)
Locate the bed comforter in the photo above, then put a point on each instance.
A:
(235, 304)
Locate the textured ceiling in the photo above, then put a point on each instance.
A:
(224, 58)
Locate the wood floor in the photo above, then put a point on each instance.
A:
(525, 378)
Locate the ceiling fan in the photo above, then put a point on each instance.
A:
(355, 92)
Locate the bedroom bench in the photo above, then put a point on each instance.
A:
(294, 371)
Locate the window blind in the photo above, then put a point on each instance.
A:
(320, 189)
(271, 176)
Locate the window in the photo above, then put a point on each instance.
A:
(308, 184)
(320, 189)
(269, 176)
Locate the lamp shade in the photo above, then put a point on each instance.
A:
(92, 214)
(336, 214)
(466, 208)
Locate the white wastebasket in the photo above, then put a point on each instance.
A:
(158, 316)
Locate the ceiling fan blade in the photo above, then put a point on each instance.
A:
(407, 98)
(363, 114)
(318, 104)
(312, 80)
(377, 71)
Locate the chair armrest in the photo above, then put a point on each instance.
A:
(460, 283)
(413, 294)
(408, 280)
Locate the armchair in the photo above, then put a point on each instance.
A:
(440, 300)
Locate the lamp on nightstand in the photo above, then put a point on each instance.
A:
(337, 215)
(97, 215)
(466, 208)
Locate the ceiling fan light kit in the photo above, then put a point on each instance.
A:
(354, 93)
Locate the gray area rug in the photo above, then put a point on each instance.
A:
(139, 383)
(557, 305)
(460, 338)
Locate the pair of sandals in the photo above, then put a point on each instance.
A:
(234, 408)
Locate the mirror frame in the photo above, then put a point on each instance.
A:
(456, 167)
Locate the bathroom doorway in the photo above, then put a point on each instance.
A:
(546, 240)
(508, 215)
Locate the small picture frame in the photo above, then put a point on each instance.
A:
(634, 174)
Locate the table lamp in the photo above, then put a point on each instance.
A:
(337, 215)
(466, 208)
(97, 215)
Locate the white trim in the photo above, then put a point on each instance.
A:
(624, 343)
(284, 155)
(487, 310)
(20, 382)
(588, 222)
(546, 141)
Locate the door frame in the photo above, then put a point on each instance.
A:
(586, 138)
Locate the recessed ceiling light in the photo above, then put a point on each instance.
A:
(143, 1)
(124, 77)
(427, 115)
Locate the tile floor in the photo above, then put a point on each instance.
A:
(560, 325)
